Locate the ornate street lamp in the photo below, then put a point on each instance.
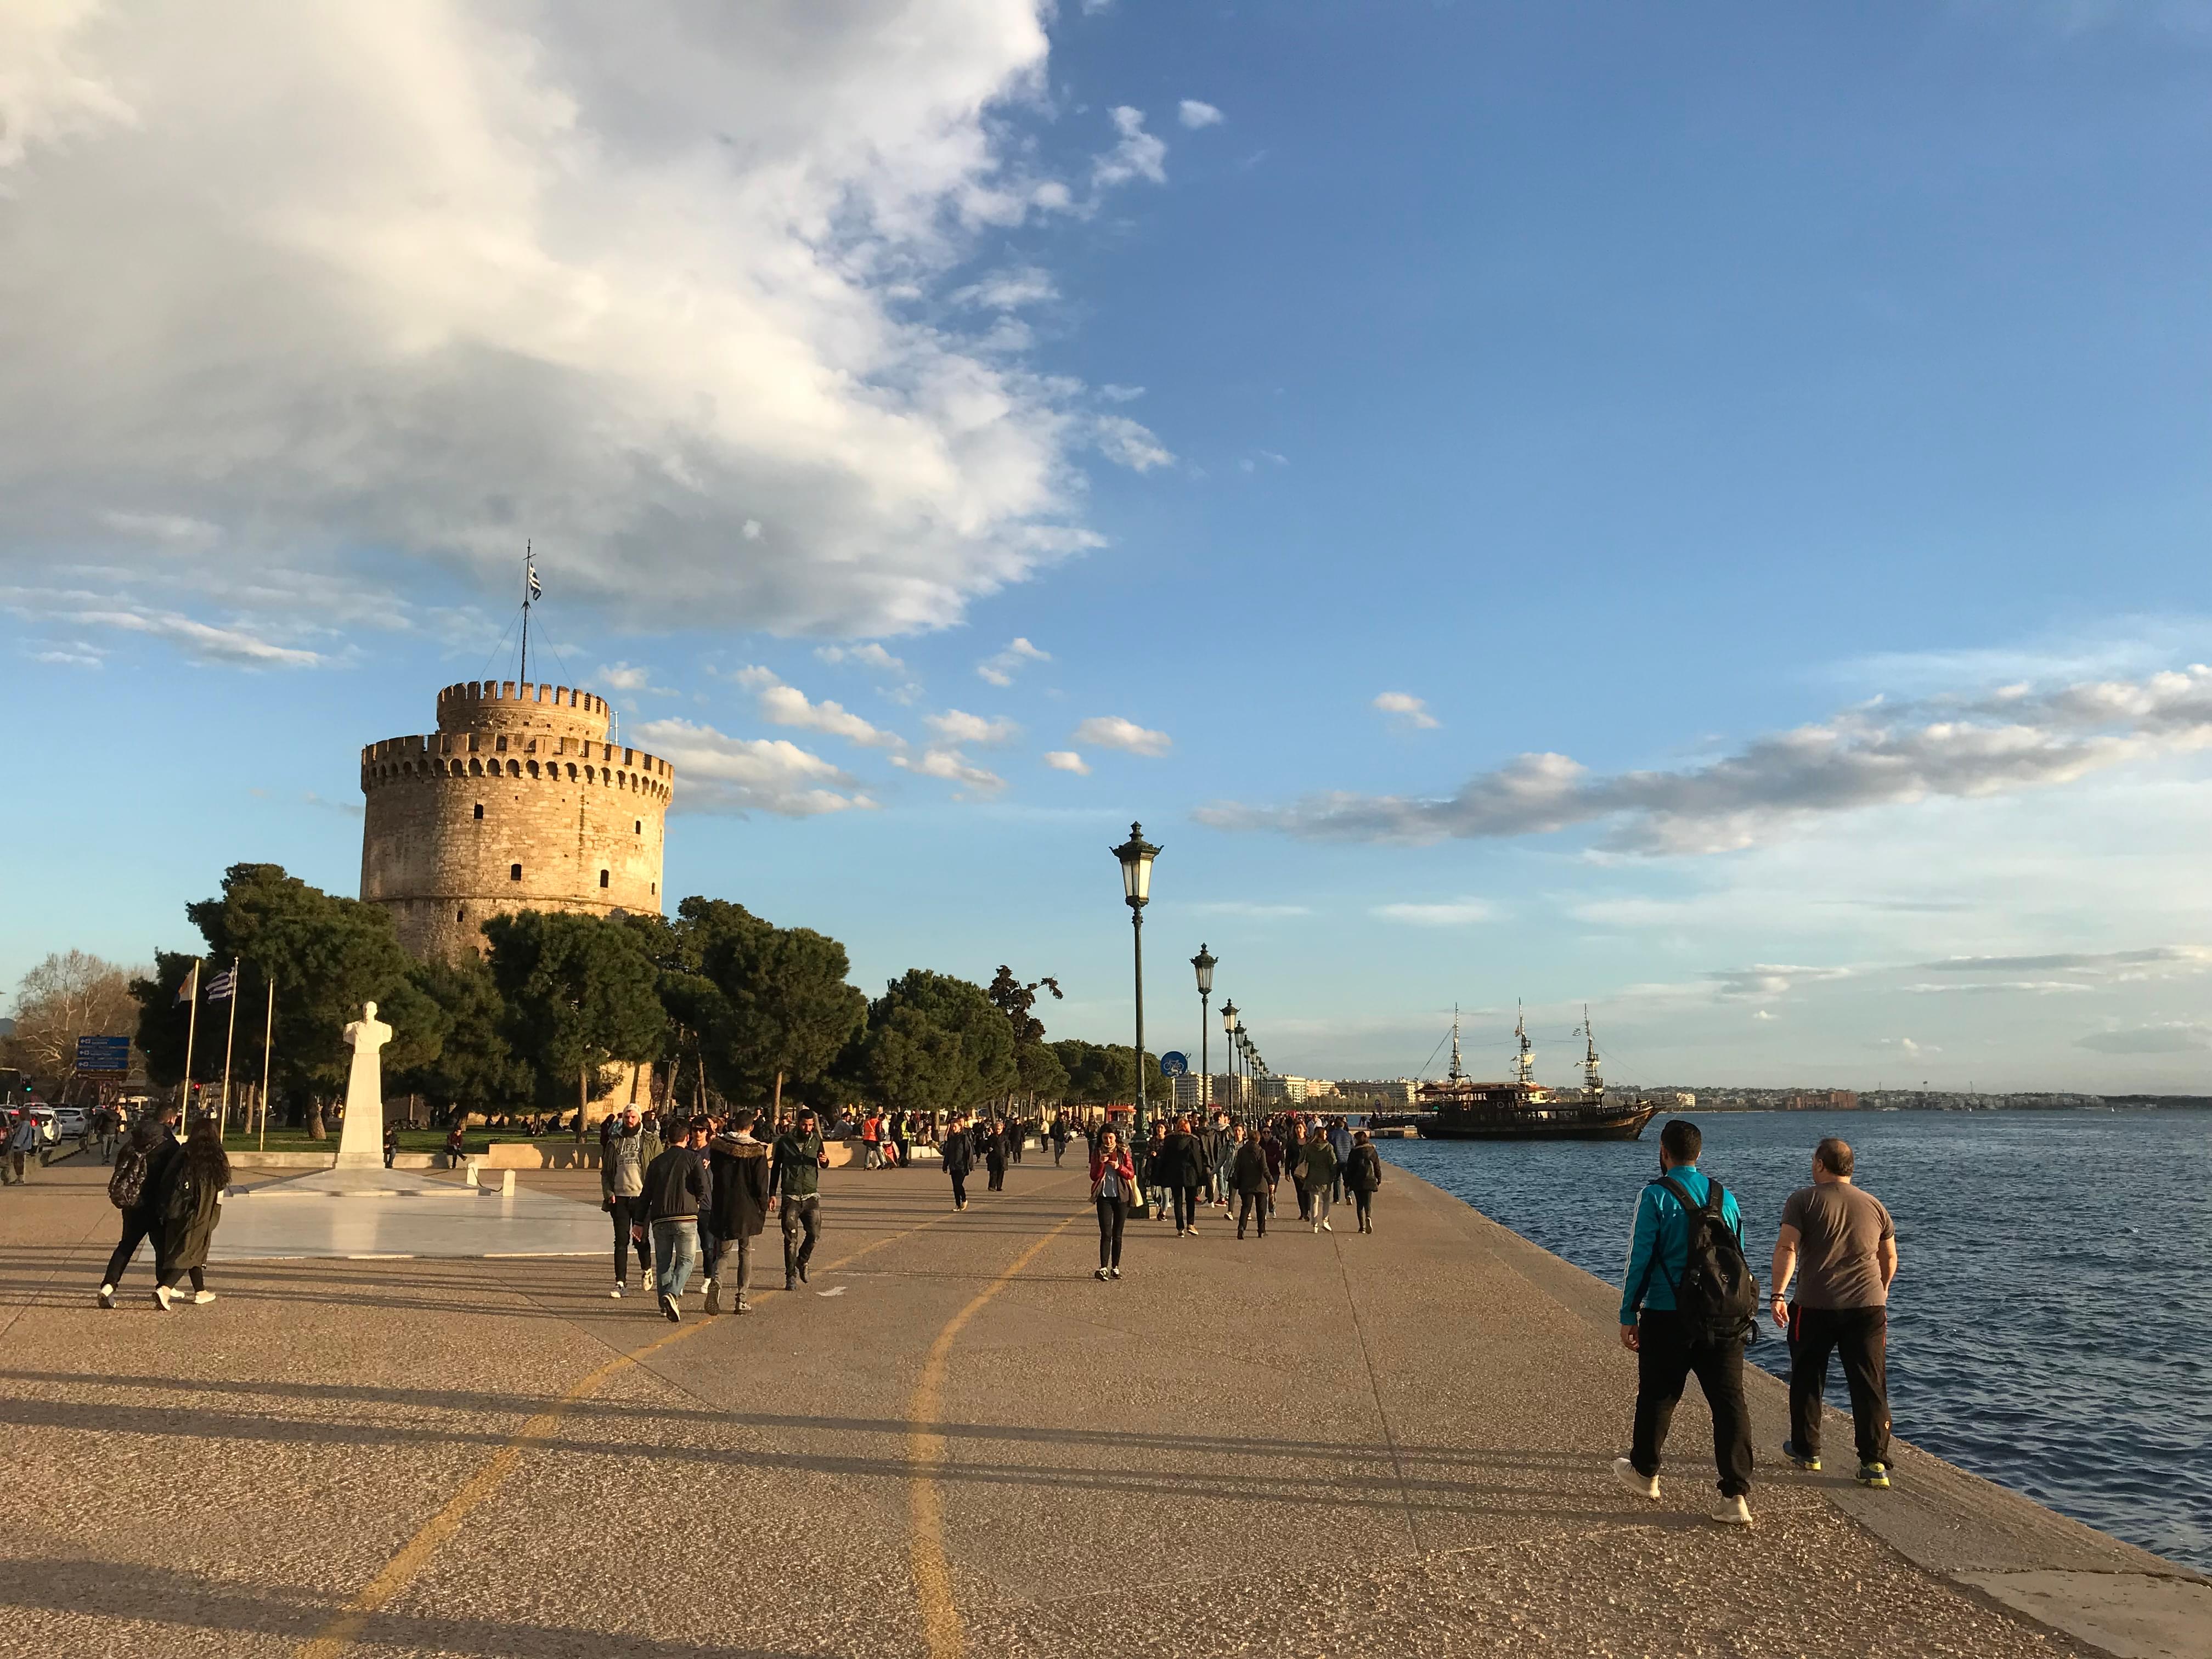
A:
(1204, 962)
(1136, 855)
(1228, 1042)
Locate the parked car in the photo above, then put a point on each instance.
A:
(72, 1122)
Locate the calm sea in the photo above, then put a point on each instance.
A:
(2051, 1327)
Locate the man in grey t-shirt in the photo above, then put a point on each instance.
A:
(1846, 1246)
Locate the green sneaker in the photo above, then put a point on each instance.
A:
(1808, 1461)
(1875, 1475)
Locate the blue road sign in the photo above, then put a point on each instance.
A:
(103, 1054)
(1175, 1065)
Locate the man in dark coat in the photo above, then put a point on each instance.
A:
(996, 1148)
(795, 1187)
(1363, 1174)
(1220, 1147)
(1180, 1166)
(672, 1188)
(959, 1160)
(741, 1199)
(1249, 1176)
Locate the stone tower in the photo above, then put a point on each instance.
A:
(517, 802)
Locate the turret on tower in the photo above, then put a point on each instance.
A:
(517, 802)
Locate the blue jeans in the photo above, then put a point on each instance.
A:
(675, 1250)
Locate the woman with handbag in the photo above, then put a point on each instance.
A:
(1113, 1178)
(190, 1207)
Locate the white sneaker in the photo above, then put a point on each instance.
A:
(106, 1298)
(619, 1288)
(201, 1299)
(1191, 1230)
(1099, 1273)
(161, 1298)
(1733, 1512)
(1326, 1228)
(1315, 1228)
(1644, 1485)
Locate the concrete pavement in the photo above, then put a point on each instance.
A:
(1337, 1445)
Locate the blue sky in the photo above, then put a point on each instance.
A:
(1757, 456)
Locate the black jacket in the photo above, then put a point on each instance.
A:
(1247, 1171)
(741, 1187)
(1180, 1163)
(1362, 1170)
(959, 1151)
(675, 1185)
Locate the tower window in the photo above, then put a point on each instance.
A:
(656, 890)
(603, 877)
(479, 809)
(461, 915)
(640, 826)
(515, 872)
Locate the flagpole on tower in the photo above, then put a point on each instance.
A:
(529, 586)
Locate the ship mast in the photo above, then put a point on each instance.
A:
(1457, 1075)
(1591, 1080)
(1524, 1061)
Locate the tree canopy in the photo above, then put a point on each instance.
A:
(935, 1043)
(781, 1006)
(579, 992)
(72, 994)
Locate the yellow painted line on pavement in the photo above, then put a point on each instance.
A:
(933, 1576)
(414, 1554)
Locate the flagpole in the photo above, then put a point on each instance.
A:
(526, 574)
(229, 1034)
(268, 1044)
(191, 1032)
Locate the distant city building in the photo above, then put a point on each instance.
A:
(1281, 1091)
(1387, 1091)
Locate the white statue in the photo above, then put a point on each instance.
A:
(361, 1142)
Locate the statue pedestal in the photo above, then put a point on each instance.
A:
(361, 1141)
(364, 1214)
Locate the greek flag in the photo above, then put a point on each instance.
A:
(537, 590)
(222, 985)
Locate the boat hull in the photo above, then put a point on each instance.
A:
(1625, 1124)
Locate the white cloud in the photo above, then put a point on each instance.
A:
(1907, 1047)
(648, 274)
(1128, 443)
(2172, 1036)
(1138, 154)
(1407, 709)
(1006, 290)
(74, 654)
(1768, 979)
(1456, 913)
(719, 773)
(954, 766)
(1000, 670)
(1066, 760)
(2000, 988)
(1762, 1013)
(954, 727)
(238, 646)
(1112, 731)
(1865, 757)
(2159, 961)
(623, 676)
(786, 705)
(1195, 114)
(1120, 394)
(868, 656)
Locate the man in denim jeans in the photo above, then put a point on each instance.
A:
(675, 1187)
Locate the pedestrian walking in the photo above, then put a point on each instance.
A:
(190, 1204)
(872, 1141)
(1248, 1174)
(1152, 1170)
(628, 1150)
(1363, 1174)
(139, 1180)
(1294, 1154)
(959, 1154)
(674, 1188)
(1220, 1148)
(1842, 1243)
(1686, 1304)
(710, 1237)
(391, 1143)
(995, 1151)
(743, 1187)
(902, 1140)
(794, 1187)
(1320, 1178)
(1113, 1179)
(25, 1141)
(1270, 1148)
(1060, 1137)
(1181, 1167)
(1340, 1142)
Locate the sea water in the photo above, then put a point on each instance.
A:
(2051, 1327)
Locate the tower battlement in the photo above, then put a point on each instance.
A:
(516, 802)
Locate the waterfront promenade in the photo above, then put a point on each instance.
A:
(954, 1441)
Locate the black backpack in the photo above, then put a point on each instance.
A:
(1717, 1298)
(129, 1179)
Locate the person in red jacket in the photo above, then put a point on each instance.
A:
(1113, 1178)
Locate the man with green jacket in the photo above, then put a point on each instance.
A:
(794, 1185)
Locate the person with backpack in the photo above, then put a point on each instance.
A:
(1846, 1242)
(141, 1170)
(1688, 1304)
(1363, 1174)
(190, 1197)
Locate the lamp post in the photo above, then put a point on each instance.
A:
(1136, 855)
(1204, 963)
(1229, 1046)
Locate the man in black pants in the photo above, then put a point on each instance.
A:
(1667, 1352)
(151, 1147)
(630, 1149)
(795, 1187)
(958, 1148)
(1248, 1176)
(1848, 1246)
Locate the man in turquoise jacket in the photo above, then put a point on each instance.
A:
(1666, 1352)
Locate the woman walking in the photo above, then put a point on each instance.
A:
(1113, 1178)
(1321, 1175)
(190, 1207)
(959, 1153)
(1363, 1174)
(994, 1155)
